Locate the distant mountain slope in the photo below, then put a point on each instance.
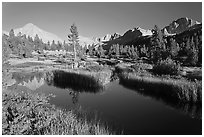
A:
(85, 41)
(109, 37)
(180, 25)
(31, 30)
(128, 37)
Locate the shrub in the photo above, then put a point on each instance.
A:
(95, 68)
(141, 66)
(166, 67)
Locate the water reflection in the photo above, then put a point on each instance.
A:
(191, 109)
(31, 80)
(73, 82)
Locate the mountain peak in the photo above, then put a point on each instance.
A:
(180, 25)
(143, 31)
(31, 30)
(30, 25)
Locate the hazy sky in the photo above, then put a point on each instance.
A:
(96, 19)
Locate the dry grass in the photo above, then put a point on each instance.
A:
(171, 89)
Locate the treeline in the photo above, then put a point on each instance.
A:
(185, 48)
(23, 46)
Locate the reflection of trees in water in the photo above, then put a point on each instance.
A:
(75, 83)
(75, 96)
(22, 77)
(192, 109)
(31, 80)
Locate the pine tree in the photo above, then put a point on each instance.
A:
(59, 46)
(19, 34)
(158, 46)
(144, 51)
(47, 46)
(117, 50)
(11, 33)
(110, 51)
(125, 50)
(132, 51)
(174, 49)
(64, 45)
(6, 51)
(100, 51)
(73, 38)
(188, 46)
(90, 50)
(192, 54)
(135, 53)
(121, 49)
(36, 42)
(129, 51)
(53, 46)
(24, 36)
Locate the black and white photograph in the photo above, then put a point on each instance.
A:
(101, 68)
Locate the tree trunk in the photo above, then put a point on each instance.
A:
(74, 52)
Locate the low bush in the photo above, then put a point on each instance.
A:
(95, 68)
(166, 67)
(141, 67)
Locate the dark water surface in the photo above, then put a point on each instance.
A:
(120, 108)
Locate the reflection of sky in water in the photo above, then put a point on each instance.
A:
(119, 107)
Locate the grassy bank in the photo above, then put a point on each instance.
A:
(166, 88)
(72, 80)
(31, 114)
(95, 75)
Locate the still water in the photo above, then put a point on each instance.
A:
(122, 109)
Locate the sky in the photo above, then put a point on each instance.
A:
(96, 19)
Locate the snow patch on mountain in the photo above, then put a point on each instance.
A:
(109, 37)
(144, 32)
(166, 33)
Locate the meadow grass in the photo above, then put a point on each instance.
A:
(28, 64)
(74, 81)
(31, 114)
(167, 88)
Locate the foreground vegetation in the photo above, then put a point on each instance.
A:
(31, 114)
